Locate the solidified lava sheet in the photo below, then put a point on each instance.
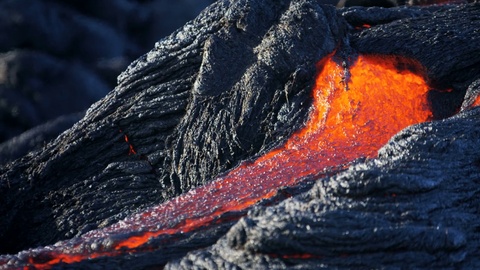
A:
(268, 134)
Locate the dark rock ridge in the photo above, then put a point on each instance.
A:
(236, 82)
(210, 95)
(58, 57)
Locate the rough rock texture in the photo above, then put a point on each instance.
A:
(58, 57)
(188, 108)
(234, 83)
(414, 206)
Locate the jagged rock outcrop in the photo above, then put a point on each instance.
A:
(236, 82)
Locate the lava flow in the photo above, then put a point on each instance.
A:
(355, 111)
(476, 102)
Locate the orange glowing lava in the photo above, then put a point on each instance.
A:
(476, 102)
(131, 149)
(353, 115)
(363, 26)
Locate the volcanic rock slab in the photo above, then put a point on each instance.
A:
(230, 86)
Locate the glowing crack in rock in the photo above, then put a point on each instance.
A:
(355, 111)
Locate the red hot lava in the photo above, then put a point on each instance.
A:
(476, 102)
(131, 149)
(353, 115)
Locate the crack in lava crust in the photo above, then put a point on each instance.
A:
(348, 120)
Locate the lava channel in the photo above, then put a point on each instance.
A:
(354, 113)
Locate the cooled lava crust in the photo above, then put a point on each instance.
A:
(194, 157)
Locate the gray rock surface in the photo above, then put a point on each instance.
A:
(228, 87)
(186, 123)
(58, 57)
(414, 206)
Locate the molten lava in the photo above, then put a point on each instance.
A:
(476, 102)
(131, 149)
(355, 111)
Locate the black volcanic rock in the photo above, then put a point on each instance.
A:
(414, 206)
(36, 137)
(188, 109)
(231, 85)
(35, 87)
(58, 57)
(449, 31)
(369, 3)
